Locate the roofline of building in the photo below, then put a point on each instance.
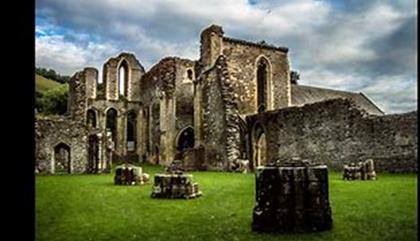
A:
(367, 98)
(260, 45)
(347, 92)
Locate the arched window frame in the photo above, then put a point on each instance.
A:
(268, 83)
(257, 131)
(189, 75)
(54, 150)
(131, 116)
(95, 118)
(114, 136)
(123, 64)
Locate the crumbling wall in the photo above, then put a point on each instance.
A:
(91, 75)
(49, 132)
(77, 101)
(336, 132)
(214, 124)
(220, 118)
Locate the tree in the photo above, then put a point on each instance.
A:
(54, 101)
(294, 77)
(38, 101)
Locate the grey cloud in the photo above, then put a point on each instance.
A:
(331, 44)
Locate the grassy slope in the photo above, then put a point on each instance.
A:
(43, 84)
(90, 207)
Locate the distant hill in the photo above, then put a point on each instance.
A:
(43, 84)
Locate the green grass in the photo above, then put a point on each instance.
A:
(90, 207)
(43, 84)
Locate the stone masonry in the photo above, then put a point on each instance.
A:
(336, 132)
(234, 104)
(292, 197)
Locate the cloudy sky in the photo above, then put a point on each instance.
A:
(362, 46)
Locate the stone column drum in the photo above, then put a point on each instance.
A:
(292, 198)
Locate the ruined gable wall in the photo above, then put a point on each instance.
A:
(110, 77)
(50, 132)
(241, 60)
(335, 132)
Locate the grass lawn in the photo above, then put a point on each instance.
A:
(90, 207)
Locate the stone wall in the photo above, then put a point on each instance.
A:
(184, 95)
(168, 91)
(184, 106)
(111, 77)
(213, 124)
(220, 118)
(91, 75)
(77, 100)
(336, 132)
(123, 108)
(50, 132)
(242, 58)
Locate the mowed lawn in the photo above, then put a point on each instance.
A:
(90, 207)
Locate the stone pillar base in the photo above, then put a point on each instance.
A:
(292, 199)
(175, 186)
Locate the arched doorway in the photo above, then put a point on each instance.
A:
(261, 150)
(157, 155)
(111, 123)
(259, 146)
(62, 161)
(93, 154)
(185, 139)
(131, 130)
(91, 118)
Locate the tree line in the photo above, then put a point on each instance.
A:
(51, 74)
(52, 101)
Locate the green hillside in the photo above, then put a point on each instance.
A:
(43, 84)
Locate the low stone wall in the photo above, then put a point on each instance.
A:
(50, 132)
(175, 186)
(336, 132)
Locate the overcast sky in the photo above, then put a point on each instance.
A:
(361, 46)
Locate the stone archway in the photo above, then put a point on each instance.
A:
(157, 155)
(91, 119)
(259, 146)
(261, 158)
(185, 139)
(111, 123)
(131, 132)
(93, 154)
(62, 158)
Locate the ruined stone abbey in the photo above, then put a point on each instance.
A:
(235, 103)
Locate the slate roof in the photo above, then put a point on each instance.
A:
(303, 94)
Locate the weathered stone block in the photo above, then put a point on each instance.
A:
(292, 199)
(174, 185)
